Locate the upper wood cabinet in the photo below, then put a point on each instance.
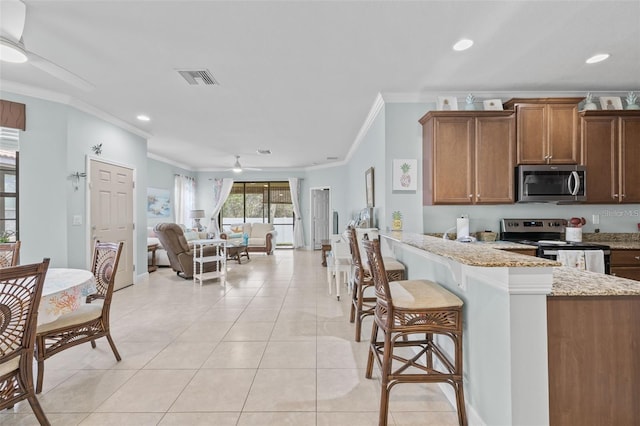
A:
(546, 130)
(611, 152)
(469, 157)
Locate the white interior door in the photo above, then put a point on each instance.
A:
(111, 205)
(320, 206)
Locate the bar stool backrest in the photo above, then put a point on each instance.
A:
(384, 301)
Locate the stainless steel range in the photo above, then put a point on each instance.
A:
(546, 235)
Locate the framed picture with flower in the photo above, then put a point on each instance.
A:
(405, 175)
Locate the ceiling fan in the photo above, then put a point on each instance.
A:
(12, 49)
(237, 167)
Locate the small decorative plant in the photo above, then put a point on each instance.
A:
(5, 236)
(631, 101)
(396, 215)
(470, 100)
(588, 102)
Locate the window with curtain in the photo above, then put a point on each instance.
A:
(9, 155)
(185, 199)
(261, 202)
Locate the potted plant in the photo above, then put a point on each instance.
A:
(5, 236)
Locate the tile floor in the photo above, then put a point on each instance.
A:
(273, 348)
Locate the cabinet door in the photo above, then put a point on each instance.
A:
(531, 134)
(494, 160)
(562, 125)
(452, 160)
(629, 159)
(600, 156)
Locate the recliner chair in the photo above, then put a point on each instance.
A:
(180, 254)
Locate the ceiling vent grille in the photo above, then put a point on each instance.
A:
(202, 77)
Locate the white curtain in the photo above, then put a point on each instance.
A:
(221, 191)
(184, 189)
(298, 230)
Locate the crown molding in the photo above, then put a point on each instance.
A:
(168, 161)
(53, 96)
(376, 108)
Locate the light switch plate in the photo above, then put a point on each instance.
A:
(77, 220)
(595, 219)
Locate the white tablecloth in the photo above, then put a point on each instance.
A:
(64, 291)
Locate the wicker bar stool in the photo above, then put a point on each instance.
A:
(362, 305)
(418, 309)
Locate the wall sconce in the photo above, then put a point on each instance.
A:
(196, 215)
(75, 179)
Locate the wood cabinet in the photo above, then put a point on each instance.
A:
(625, 263)
(594, 367)
(546, 130)
(469, 157)
(611, 151)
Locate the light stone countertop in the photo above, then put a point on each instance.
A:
(566, 281)
(473, 254)
(575, 282)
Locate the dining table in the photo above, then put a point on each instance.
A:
(64, 291)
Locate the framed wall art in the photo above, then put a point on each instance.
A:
(610, 102)
(405, 175)
(158, 202)
(369, 188)
(492, 104)
(447, 103)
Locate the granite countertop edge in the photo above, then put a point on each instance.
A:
(566, 281)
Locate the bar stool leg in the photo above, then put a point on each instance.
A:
(386, 371)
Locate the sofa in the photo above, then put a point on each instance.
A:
(173, 239)
(261, 236)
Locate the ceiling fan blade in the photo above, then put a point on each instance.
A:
(59, 72)
(12, 17)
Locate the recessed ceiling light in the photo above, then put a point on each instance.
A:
(263, 151)
(597, 58)
(143, 117)
(463, 44)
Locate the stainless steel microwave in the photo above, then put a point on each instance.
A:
(551, 183)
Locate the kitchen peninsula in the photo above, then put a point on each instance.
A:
(515, 317)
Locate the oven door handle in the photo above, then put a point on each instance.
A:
(576, 187)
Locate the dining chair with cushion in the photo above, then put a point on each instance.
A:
(9, 254)
(20, 292)
(91, 320)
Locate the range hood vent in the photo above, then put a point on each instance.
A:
(198, 77)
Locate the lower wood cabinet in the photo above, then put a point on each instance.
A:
(594, 367)
(625, 263)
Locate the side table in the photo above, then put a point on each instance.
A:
(151, 248)
(199, 260)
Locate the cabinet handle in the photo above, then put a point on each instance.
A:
(636, 257)
(614, 196)
(477, 195)
(622, 195)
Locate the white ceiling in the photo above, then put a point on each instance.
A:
(300, 77)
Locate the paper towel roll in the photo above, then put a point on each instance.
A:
(462, 227)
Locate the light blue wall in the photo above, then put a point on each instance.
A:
(58, 142)
(404, 141)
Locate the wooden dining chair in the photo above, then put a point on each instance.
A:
(91, 320)
(20, 293)
(9, 254)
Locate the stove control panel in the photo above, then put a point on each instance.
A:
(533, 225)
